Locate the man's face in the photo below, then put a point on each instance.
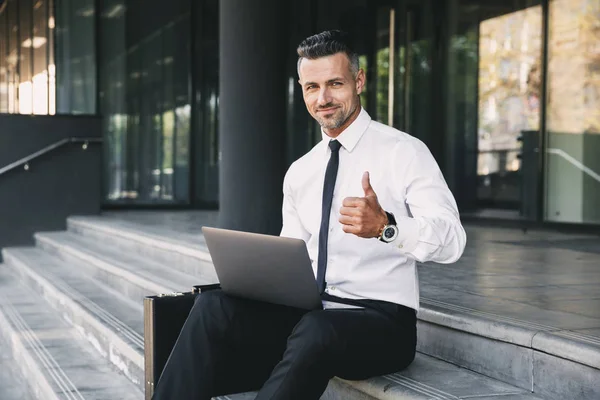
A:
(331, 91)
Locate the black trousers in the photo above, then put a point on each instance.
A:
(230, 345)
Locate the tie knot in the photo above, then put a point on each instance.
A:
(334, 145)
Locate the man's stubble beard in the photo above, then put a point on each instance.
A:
(336, 121)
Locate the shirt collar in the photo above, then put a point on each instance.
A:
(352, 134)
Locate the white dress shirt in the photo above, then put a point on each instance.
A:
(408, 184)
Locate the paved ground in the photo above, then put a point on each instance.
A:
(543, 277)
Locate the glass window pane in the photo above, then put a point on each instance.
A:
(493, 81)
(149, 143)
(40, 57)
(509, 99)
(168, 117)
(206, 102)
(573, 112)
(14, 52)
(75, 51)
(181, 103)
(3, 60)
(146, 99)
(25, 51)
(112, 95)
(133, 148)
(26, 44)
(51, 64)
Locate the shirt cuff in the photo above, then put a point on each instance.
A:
(408, 234)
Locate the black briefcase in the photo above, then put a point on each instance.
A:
(164, 316)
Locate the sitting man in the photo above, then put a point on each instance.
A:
(369, 201)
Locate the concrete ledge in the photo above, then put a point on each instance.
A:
(504, 361)
(569, 345)
(573, 346)
(480, 323)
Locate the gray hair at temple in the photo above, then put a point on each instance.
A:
(326, 44)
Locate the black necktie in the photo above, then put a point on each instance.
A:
(329, 185)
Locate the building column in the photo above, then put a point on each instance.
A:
(252, 113)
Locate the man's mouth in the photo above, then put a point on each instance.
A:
(328, 109)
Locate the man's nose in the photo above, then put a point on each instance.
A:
(324, 97)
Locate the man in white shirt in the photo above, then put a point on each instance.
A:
(369, 201)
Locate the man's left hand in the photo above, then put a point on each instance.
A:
(363, 216)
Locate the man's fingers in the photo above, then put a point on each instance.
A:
(353, 201)
(347, 220)
(350, 211)
(350, 229)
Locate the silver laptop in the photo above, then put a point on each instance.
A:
(268, 268)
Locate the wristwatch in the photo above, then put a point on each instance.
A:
(389, 233)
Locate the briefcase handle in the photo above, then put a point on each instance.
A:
(205, 288)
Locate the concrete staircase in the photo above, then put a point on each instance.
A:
(71, 321)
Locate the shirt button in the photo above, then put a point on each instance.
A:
(400, 246)
(331, 287)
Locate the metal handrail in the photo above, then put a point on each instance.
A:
(575, 162)
(48, 149)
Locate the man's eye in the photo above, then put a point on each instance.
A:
(309, 87)
(336, 83)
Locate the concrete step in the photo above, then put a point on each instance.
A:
(533, 357)
(13, 385)
(111, 323)
(552, 362)
(180, 251)
(129, 273)
(56, 359)
(426, 378)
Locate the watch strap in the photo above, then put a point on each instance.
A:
(391, 219)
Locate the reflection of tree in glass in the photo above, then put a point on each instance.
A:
(574, 66)
(509, 85)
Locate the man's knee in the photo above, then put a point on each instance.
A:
(315, 336)
(210, 310)
(209, 298)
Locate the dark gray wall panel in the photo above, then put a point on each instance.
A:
(64, 182)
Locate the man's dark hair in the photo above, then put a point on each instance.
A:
(326, 44)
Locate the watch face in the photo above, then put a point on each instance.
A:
(389, 233)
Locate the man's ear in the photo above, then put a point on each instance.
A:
(360, 81)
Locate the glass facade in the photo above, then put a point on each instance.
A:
(505, 94)
(493, 86)
(76, 56)
(27, 68)
(145, 98)
(573, 112)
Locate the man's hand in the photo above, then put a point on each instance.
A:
(363, 216)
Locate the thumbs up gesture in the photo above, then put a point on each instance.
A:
(363, 216)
